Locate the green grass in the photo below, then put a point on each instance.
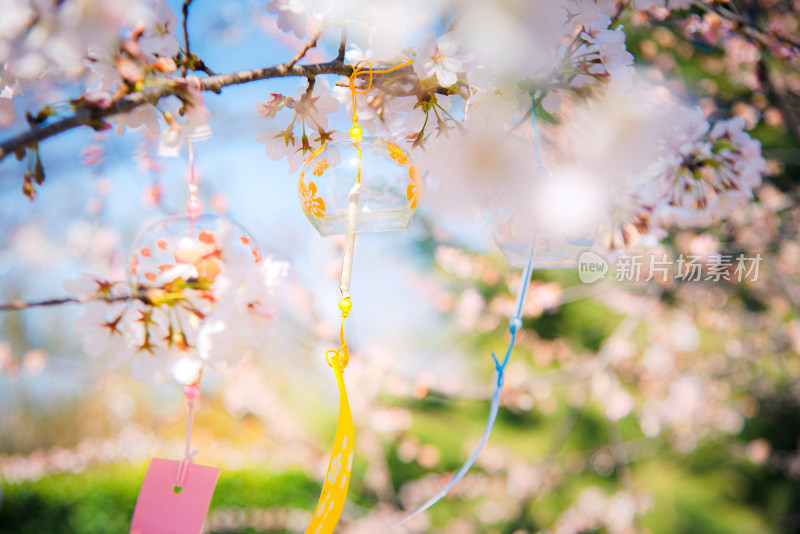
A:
(101, 499)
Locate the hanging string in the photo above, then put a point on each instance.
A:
(536, 133)
(191, 392)
(194, 208)
(515, 323)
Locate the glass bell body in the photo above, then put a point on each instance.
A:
(553, 249)
(556, 215)
(386, 198)
(183, 247)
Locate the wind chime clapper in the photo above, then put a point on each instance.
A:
(541, 240)
(178, 258)
(360, 184)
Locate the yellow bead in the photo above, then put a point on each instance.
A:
(356, 131)
(345, 305)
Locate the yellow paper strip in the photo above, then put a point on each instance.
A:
(337, 480)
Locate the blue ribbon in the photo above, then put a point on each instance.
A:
(500, 366)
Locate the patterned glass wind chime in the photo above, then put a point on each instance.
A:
(531, 243)
(360, 184)
(180, 256)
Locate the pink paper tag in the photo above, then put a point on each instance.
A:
(159, 510)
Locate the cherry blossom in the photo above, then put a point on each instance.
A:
(438, 57)
(195, 125)
(146, 116)
(671, 4)
(609, 47)
(107, 321)
(7, 112)
(309, 116)
(712, 173)
(593, 509)
(403, 117)
(592, 15)
(159, 38)
(292, 15)
(486, 167)
(53, 38)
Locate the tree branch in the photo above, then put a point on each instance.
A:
(150, 95)
(308, 46)
(94, 116)
(748, 28)
(774, 94)
(625, 4)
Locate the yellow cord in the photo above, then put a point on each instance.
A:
(358, 69)
(345, 305)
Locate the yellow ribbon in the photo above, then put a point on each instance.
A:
(337, 479)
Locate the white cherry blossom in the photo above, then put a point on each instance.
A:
(438, 57)
(614, 59)
(7, 112)
(145, 115)
(484, 167)
(307, 126)
(195, 126)
(159, 38)
(293, 15)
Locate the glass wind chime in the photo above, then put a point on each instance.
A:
(529, 241)
(179, 258)
(360, 184)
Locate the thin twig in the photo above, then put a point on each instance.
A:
(342, 44)
(186, 4)
(308, 46)
(150, 295)
(619, 453)
(17, 305)
(565, 427)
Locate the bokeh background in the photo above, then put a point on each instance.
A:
(628, 407)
